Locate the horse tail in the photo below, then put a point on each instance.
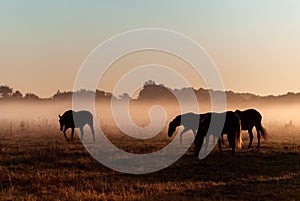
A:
(263, 132)
(239, 141)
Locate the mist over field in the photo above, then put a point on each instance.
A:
(154, 114)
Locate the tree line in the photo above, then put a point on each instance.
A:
(7, 93)
(153, 92)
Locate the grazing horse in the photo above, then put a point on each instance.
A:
(231, 127)
(190, 121)
(81, 119)
(249, 119)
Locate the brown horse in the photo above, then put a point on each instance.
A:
(231, 127)
(249, 119)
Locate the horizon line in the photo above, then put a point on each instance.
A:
(117, 95)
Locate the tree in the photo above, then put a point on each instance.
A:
(5, 91)
(150, 82)
(31, 96)
(17, 95)
(62, 95)
(125, 97)
(152, 91)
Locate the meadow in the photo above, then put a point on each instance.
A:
(40, 165)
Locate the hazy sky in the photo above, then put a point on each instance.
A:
(255, 43)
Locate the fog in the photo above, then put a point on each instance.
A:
(276, 113)
(42, 116)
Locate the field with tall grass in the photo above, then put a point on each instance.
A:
(36, 163)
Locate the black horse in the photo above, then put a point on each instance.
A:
(249, 119)
(231, 127)
(190, 121)
(81, 119)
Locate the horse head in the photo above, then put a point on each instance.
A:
(171, 129)
(173, 125)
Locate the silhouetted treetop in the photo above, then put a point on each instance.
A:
(67, 95)
(152, 91)
(62, 95)
(17, 95)
(31, 96)
(5, 91)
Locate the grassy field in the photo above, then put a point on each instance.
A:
(45, 167)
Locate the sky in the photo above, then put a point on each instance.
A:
(255, 44)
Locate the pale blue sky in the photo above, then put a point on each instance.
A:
(255, 43)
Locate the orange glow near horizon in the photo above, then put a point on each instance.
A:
(254, 45)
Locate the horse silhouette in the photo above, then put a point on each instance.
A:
(249, 119)
(231, 127)
(190, 121)
(72, 119)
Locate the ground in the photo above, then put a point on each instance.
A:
(45, 167)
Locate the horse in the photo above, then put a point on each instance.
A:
(81, 118)
(190, 121)
(249, 119)
(231, 127)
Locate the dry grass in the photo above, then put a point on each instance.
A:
(45, 167)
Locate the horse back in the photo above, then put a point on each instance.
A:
(249, 118)
(82, 117)
(232, 122)
(78, 119)
(188, 120)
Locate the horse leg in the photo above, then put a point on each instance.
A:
(222, 140)
(232, 139)
(65, 129)
(198, 144)
(93, 132)
(213, 139)
(72, 134)
(251, 138)
(206, 142)
(181, 133)
(219, 145)
(229, 141)
(180, 139)
(258, 137)
(81, 133)
(233, 149)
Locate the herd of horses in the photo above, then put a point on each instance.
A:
(232, 122)
(202, 125)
